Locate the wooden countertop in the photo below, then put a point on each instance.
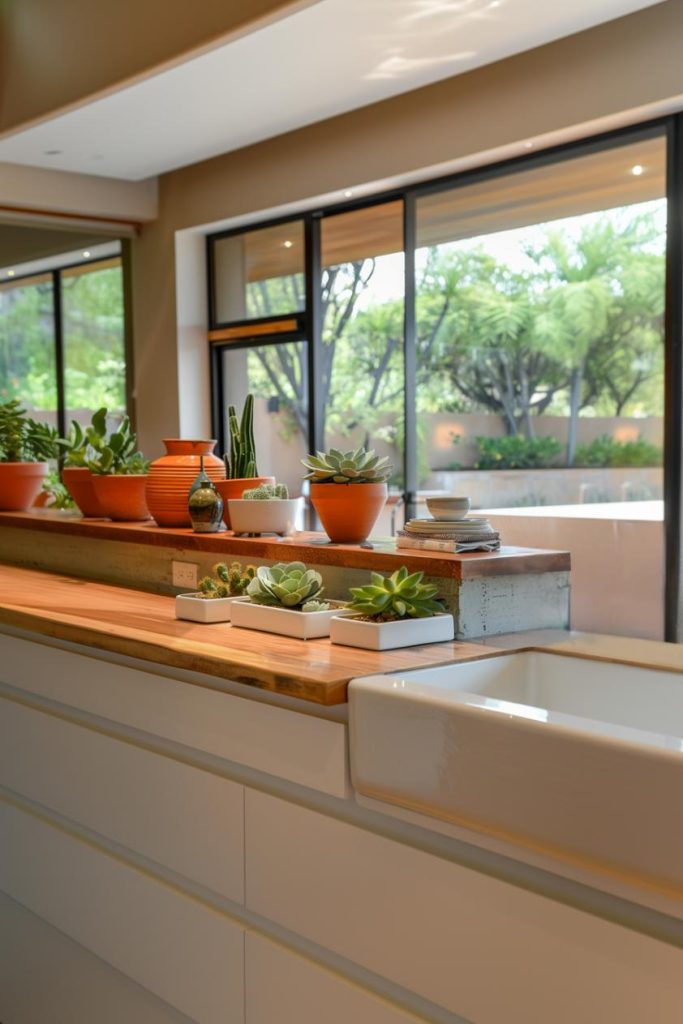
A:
(304, 547)
(143, 625)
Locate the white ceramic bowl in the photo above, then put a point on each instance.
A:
(274, 515)
(448, 509)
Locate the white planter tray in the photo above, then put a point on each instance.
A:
(286, 622)
(384, 636)
(269, 516)
(203, 609)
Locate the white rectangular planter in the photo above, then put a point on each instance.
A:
(277, 515)
(204, 609)
(285, 621)
(384, 636)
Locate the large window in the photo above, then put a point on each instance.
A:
(62, 348)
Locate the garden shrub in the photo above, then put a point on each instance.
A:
(605, 451)
(517, 452)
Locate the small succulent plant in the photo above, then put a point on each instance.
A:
(353, 467)
(115, 453)
(399, 596)
(267, 492)
(287, 585)
(227, 580)
(22, 439)
(241, 462)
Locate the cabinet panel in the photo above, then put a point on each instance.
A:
(179, 949)
(480, 947)
(190, 820)
(285, 988)
(298, 747)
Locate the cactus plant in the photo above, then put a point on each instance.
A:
(286, 585)
(267, 492)
(399, 596)
(352, 467)
(228, 580)
(241, 462)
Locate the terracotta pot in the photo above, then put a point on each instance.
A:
(122, 496)
(79, 483)
(171, 477)
(236, 488)
(348, 512)
(20, 484)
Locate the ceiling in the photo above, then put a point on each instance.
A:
(331, 57)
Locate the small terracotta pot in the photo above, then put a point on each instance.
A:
(78, 481)
(122, 496)
(171, 477)
(236, 488)
(20, 484)
(348, 512)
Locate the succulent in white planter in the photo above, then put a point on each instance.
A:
(216, 595)
(264, 509)
(285, 599)
(395, 611)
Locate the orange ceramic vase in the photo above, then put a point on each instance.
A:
(171, 477)
(79, 483)
(236, 488)
(122, 496)
(20, 484)
(348, 512)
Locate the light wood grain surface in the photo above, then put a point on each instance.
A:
(304, 547)
(143, 625)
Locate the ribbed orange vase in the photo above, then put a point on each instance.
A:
(171, 476)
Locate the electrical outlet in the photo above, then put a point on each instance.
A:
(184, 574)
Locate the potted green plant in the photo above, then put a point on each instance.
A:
(119, 470)
(216, 594)
(264, 509)
(395, 611)
(241, 471)
(285, 599)
(348, 491)
(25, 448)
(76, 475)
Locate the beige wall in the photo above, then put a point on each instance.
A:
(55, 54)
(595, 76)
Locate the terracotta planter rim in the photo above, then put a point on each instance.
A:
(24, 463)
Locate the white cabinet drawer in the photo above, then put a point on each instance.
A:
(182, 817)
(178, 948)
(478, 946)
(290, 745)
(285, 988)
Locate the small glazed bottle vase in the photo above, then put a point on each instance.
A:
(204, 504)
(171, 476)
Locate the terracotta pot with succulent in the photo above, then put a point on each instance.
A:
(25, 448)
(76, 475)
(348, 491)
(216, 594)
(119, 470)
(264, 509)
(240, 463)
(285, 599)
(395, 611)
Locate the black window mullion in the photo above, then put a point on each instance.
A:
(58, 320)
(410, 460)
(313, 274)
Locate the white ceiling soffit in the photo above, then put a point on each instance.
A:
(334, 56)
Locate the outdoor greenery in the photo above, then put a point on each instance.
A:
(605, 451)
(517, 452)
(578, 332)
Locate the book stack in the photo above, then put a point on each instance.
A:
(469, 534)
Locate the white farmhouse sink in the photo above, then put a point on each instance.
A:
(563, 753)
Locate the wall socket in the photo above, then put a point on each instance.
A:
(184, 574)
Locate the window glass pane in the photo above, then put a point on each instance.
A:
(94, 353)
(540, 324)
(277, 376)
(259, 273)
(27, 350)
(363, 300)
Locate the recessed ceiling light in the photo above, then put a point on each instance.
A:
(348, 193)
(637, 170)
(288, 244)
(52, 152)
(10, 273)
(86, 253)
